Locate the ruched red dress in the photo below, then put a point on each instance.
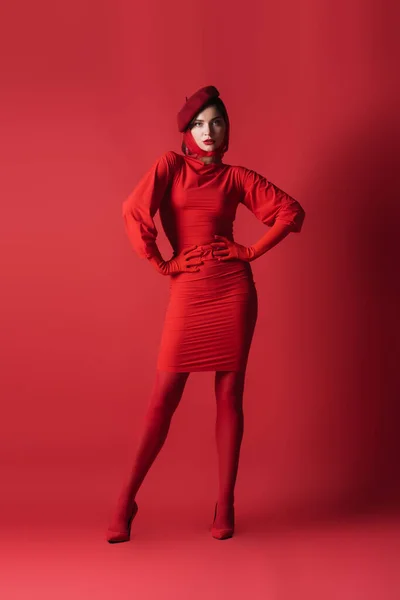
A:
(211, 315)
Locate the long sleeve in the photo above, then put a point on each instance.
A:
(142, 204)
(269, 203)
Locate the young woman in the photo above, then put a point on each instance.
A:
(212, 309)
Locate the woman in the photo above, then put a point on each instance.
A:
(212, 309)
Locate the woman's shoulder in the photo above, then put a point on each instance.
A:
(248, 176)
(239, 173)
(241, 170)
(171, 158)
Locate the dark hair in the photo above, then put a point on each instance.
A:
(217, 102)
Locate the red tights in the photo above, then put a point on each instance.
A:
(165, 397)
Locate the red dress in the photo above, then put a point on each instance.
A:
(211, 315)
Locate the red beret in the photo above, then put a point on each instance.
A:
(194, 104)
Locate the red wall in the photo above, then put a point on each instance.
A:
(92, 91)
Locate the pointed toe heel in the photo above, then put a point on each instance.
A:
(222, 533)
(121, 534)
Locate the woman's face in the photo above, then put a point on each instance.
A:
(208, 124)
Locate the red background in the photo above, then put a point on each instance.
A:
(91, 95)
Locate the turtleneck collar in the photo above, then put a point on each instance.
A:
(196, 162)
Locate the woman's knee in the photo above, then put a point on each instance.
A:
(229, 387)
(229, 383)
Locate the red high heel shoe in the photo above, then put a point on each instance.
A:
(122, 534)
(225, 533)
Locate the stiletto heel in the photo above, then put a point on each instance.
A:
(122, 534)
(226, 532)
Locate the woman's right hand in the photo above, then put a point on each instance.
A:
(187, 261)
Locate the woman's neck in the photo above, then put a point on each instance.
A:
(208, 159)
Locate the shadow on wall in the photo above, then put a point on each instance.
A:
(366, 167)
(360, 201)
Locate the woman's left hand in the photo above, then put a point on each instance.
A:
(225, 249)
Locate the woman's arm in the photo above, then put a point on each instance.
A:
(269, 203)
(225, 249)
(142, 204)
(271, 238)
(272, 206)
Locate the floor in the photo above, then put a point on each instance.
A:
(171, 555)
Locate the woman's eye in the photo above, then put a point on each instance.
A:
(218, 123)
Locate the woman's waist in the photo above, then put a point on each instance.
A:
(213, 269)
(206, 249)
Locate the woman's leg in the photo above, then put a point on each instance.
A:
(167, 392)
(229, 386)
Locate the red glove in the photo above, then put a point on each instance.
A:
(185, 261)
(225, 249)
(228, 250)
